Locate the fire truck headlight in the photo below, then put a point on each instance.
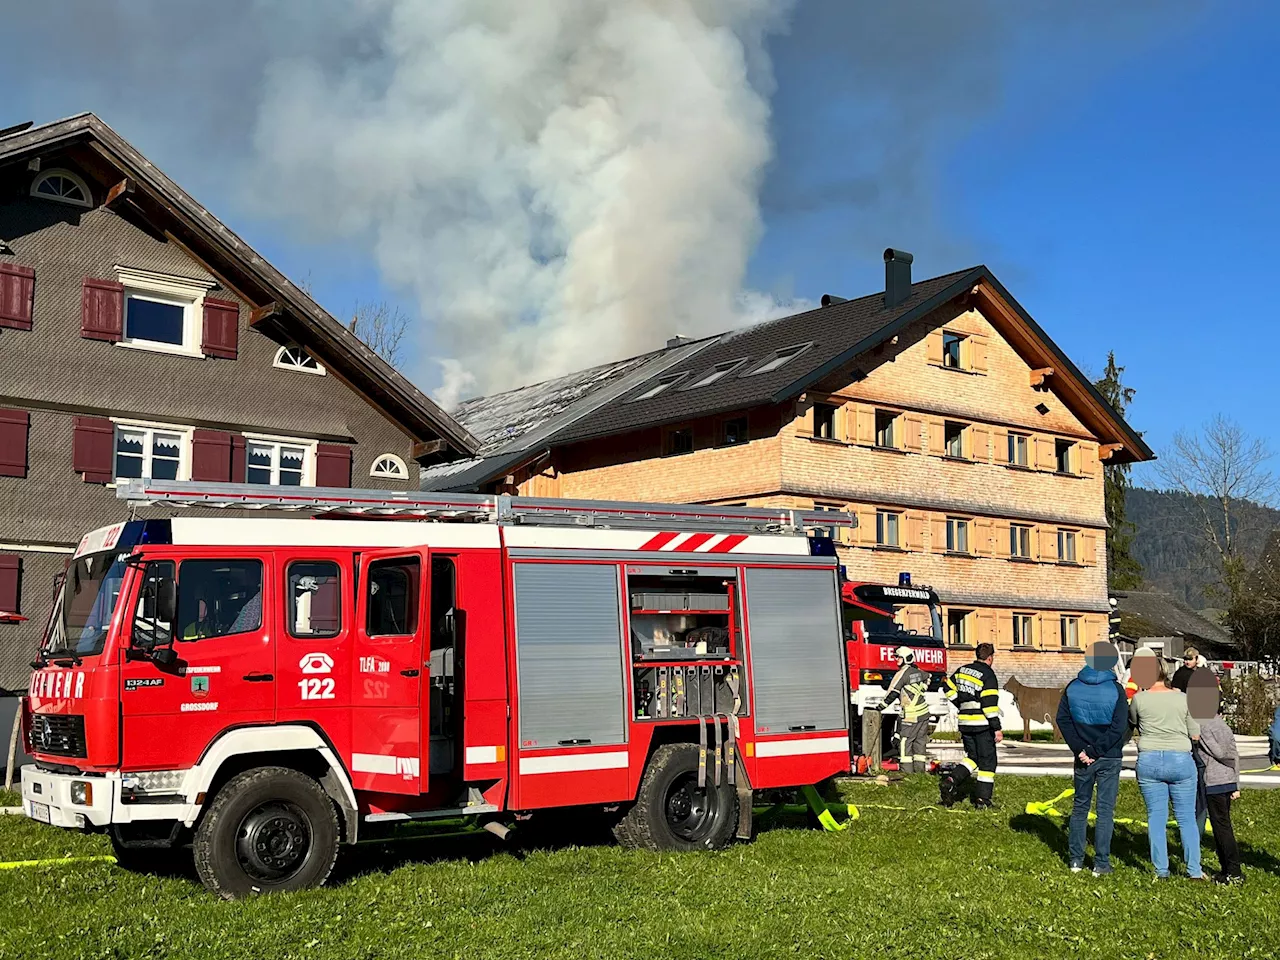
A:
(82, 793)
(871, 676)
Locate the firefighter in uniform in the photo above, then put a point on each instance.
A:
(974, 691)
(909, 685)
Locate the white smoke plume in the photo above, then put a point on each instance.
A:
(559, 183)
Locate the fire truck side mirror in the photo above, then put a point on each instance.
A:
(164, 656)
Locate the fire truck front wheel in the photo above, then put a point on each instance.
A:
(267, 829)
(672, 812)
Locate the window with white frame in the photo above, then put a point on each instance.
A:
(957, 535)
(62, 186)
(294, 357)
(1071, 631)
(272, 460)
(163, 312)
(1024, 626)
(1067, 546)
(389, 467)
(153, 451)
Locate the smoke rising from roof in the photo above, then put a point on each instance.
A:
(558, 183)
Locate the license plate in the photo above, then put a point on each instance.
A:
(40, 811)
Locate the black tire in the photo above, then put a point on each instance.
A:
(266, 830)
(672, 813)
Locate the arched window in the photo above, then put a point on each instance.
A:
(62, 186)
(293, 357)
(389, 467)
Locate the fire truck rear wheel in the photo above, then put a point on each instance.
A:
(672, 812)
(267, 829)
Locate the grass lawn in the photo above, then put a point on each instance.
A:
(922, 883)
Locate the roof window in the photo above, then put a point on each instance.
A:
(779, 358)
(718, 372)
(661, 386)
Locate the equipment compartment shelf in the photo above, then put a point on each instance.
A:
(687, 613)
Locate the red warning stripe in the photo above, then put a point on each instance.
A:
(659, 541)
(728, 543)
(692, 542)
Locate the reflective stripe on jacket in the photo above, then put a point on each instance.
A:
(909, 684)
(976, 694)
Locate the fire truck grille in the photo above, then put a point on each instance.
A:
(57, 734)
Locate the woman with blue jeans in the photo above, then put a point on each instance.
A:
(1166, 770)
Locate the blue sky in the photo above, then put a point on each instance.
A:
(1119, 175)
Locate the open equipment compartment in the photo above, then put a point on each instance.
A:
(685, 641)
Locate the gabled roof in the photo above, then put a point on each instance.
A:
(148, 193)
(1148, 613)
(825, 340)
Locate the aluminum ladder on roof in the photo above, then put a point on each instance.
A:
(477, 508)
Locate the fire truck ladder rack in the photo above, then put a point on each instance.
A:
(477, 508)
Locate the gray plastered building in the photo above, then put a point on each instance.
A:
(139, 335)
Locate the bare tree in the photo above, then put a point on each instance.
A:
(1219, 469)
(383, 328)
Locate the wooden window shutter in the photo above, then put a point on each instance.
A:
(937, 437)
(1000, 530)
(915, 523)
(221, 329)
(866, 424)
(1003, 629)
(333, 465)
(14, 425)
(977, 353)
(913, 430)
(238, 459)
(1046, 454)
(985, 631)
(980, 534)
(102, 310)
(1050, 630)
(93, 449)
(1088, 548)
(1048, 544)
(938, 534)
(17, 291)
(10, 567)
(1088, 459)
(865, 532)
(980, 443)
(211, 456)
(933, 347)
(999, 445)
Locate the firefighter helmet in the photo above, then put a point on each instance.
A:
(905, 654)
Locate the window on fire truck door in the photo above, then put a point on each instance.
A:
(392, 597)
(218, 598)
(148, 630)
(315, 599)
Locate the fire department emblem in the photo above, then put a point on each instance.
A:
(200, 686)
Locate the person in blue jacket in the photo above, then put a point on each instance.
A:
(1275, 738)
(1093, 716)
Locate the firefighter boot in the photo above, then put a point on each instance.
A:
(983, 790)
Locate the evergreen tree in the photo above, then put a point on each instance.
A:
(1123, 571)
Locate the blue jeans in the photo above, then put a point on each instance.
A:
(1105, 774)
(1165, 775)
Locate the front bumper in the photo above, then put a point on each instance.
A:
(43, 791)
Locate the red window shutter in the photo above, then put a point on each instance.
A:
(13, 442)
(333, 465)
(238, 463)
(93, 450)
(211, 456)
(9, 567)
(17, 288)
(102, 310)
(221, 329)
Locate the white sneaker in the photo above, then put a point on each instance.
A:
(1077, 867)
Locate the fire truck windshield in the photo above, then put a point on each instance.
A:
(916, 624)
(86, 604)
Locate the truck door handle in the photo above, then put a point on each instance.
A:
(408, 673)
(574, 743)
(803, 726)
(259, 677)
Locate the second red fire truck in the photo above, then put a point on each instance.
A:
(263, 690)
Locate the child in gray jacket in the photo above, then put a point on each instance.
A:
(1216, 750)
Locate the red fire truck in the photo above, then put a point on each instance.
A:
(265, 689)
(879, 618)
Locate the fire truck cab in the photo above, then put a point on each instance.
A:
(264, 690)
(879, 618)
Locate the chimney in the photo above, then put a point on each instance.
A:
(678, 340)
(897, 277)
(830, 299)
